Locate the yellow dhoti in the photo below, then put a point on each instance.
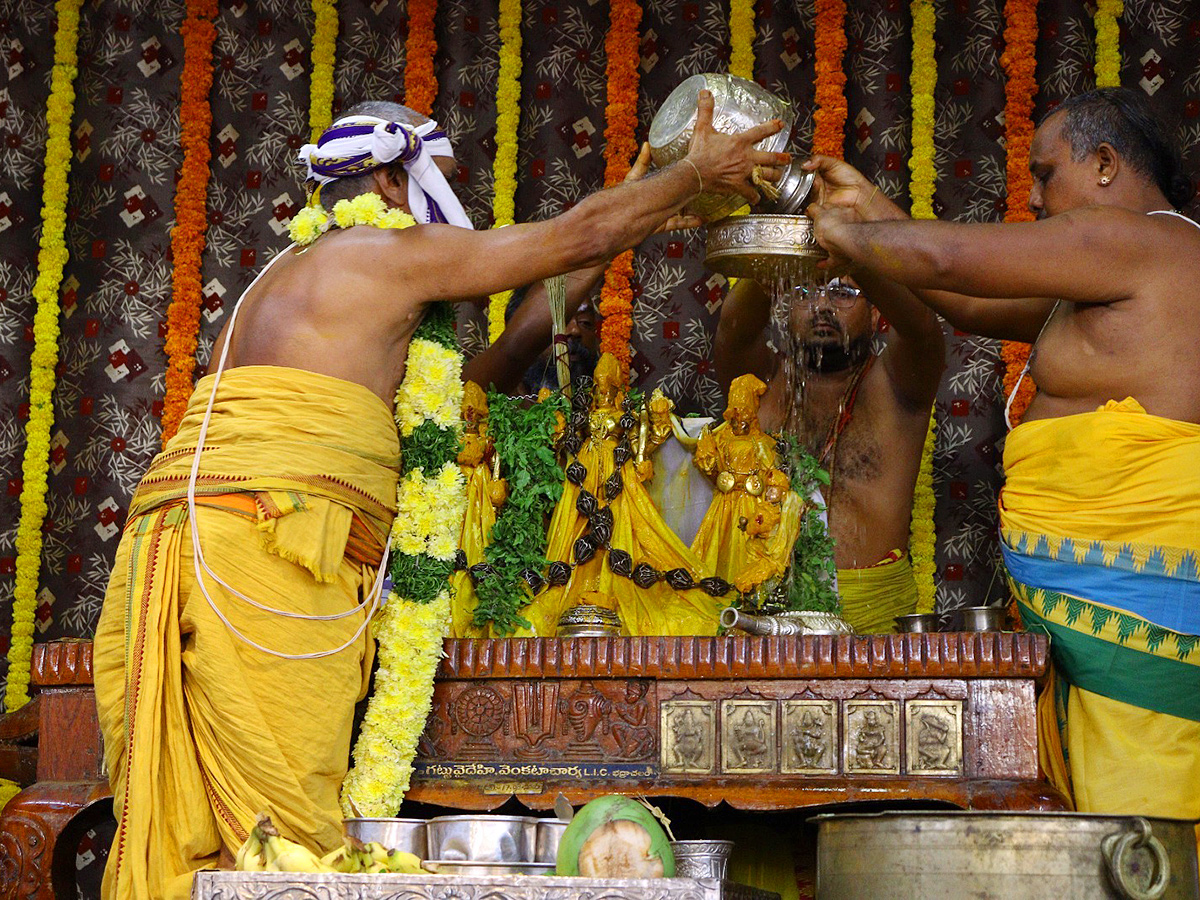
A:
(874, 596)
(1100, 529)
(202, 731)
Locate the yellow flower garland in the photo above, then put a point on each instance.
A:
(430, 506)
(504, 168)
(1108, 39)
(52, 257)
(325, 29)
(741, 38)
(922, 538)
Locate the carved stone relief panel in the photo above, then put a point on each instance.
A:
(934, 737)
(871, 737)
(810, 737)
(748, 742)
(688, 736)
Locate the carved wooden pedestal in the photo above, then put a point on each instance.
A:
(41, 827)
(760, 723)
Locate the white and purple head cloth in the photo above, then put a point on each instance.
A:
(355, 145)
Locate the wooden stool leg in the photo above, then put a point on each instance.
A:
(31, 826)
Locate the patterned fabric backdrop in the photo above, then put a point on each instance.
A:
(127, 154)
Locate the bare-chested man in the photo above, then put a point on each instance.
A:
(1100, 512)
(221, 699)
(863, 417)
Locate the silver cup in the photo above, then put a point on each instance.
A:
(483, 838)
(407, 835)
(701, 859)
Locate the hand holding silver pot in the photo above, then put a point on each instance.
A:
(725, 163)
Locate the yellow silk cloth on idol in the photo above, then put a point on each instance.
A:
(1100, 525)
(638, 529)
(874, 596)
(477, 526)
(201, 731)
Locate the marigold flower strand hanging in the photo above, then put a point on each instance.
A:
(504, 168)
(52, 257)
(922, 538)
(325, 29)
(1020, 67)
(622, 46)
(191, 217)
(1108, 40)
(420, 81)
(829, 118)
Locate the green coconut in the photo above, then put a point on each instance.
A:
(615, 837)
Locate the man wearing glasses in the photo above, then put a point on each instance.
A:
(862, 415)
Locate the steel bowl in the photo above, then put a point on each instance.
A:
(701, 859)
(549, 835)
(407, 835)
(917, 623)
(482, 838)
(763, 247)
(975, 618)
(738, 104)
(466, 867)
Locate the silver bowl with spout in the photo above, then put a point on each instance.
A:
(738, 104)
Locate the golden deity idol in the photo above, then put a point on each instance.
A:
(747, 535)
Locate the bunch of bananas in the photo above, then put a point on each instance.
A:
(266, 850)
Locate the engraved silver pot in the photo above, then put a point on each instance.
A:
(738, 104)
(762, 246)
(996, 856)
(701, 859)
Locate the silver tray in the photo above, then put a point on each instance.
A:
(755, 246)
(223, 885)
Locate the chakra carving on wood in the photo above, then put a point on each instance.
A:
(871, 737)
(934, 737)
(748, 736)
(688, 734)
(479, 711)
(810, 737)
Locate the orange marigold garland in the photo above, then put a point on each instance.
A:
(620, 136)
(829, 119)
(191, 217)
(1020, 67)
(420, 82)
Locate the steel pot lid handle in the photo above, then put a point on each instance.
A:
(1122, 868)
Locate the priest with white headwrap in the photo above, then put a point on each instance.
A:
(233, 644)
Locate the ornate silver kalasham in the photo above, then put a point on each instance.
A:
(755, 246)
